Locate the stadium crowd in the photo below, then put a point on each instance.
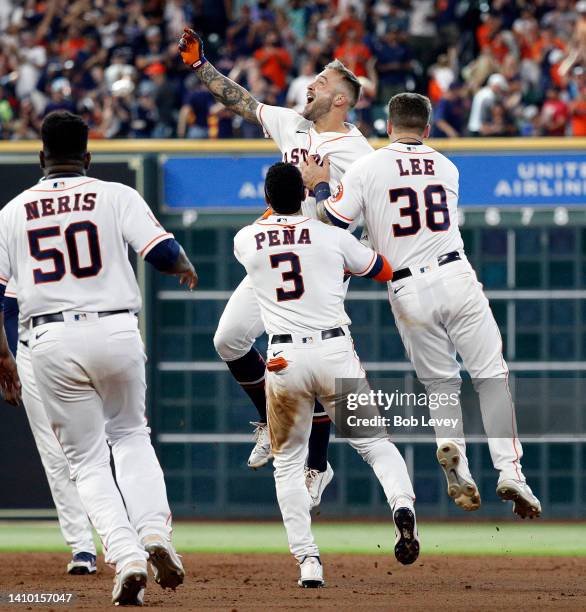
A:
(491, 67)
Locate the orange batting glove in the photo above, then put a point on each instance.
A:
(191, 49)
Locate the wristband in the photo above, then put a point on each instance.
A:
(200, 62)
(322, 191)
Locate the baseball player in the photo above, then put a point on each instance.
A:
(73, 520)
(408, 194)
(65, 242)
(296, 268)
(319, 131)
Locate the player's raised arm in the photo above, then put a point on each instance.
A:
(226, 91)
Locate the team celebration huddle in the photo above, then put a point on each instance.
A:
(71, 349)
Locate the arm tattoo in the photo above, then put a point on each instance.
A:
(229, 93)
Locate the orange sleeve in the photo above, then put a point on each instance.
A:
(386, 274)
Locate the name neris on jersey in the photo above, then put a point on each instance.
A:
(282, 237)
(49, 207)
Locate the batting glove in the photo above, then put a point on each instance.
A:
(191, 49)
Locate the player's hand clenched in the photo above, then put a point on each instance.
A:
(191, 49)
(313, 173)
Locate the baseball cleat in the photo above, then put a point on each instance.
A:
(261, 453)
(406, 537)
(312, 573)
(165, 562)
(525, 504)
(129, 584)
(316, 482)
(461, 486)
(83, 563)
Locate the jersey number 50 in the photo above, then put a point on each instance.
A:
(436, 205)
(56, 256)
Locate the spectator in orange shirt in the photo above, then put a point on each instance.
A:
(354, 54)
(537, 43)
(350, 22)
(499, 47)
(274, 61)
(487, 29)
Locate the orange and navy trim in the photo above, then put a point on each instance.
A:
(378, 269)
(154, 241)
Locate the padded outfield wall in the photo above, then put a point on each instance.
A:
(523, 218)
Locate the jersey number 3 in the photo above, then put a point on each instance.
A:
(437, 215)
(56, 256)
(293, 276)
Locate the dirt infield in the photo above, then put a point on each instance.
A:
(361, 583)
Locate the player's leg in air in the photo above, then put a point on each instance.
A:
(73, 520)
(478, 341)
(291, 392)
(443, 313)
(434, 358)
(239, 327)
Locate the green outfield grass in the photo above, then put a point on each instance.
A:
(498, 538)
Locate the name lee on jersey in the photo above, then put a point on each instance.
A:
(283, 236)
(48, 207)
(418, 167)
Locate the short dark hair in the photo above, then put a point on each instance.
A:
(64, 135)
(284, 188)
(410, 111)
(348, 78)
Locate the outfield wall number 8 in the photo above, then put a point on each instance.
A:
(436, 205)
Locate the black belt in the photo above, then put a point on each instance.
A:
(442, 260)
(58, 317)
(325, 335)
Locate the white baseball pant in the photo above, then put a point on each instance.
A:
(73, 520)
(313, 367)
(90, 373)
(240, 324)
(441, 311)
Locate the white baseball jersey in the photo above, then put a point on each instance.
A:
(408, 195)
(65, 242)
(297, 138)
(296, 265)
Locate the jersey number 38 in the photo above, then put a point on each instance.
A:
(437, 215)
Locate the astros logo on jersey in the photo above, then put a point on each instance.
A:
(339, 193)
